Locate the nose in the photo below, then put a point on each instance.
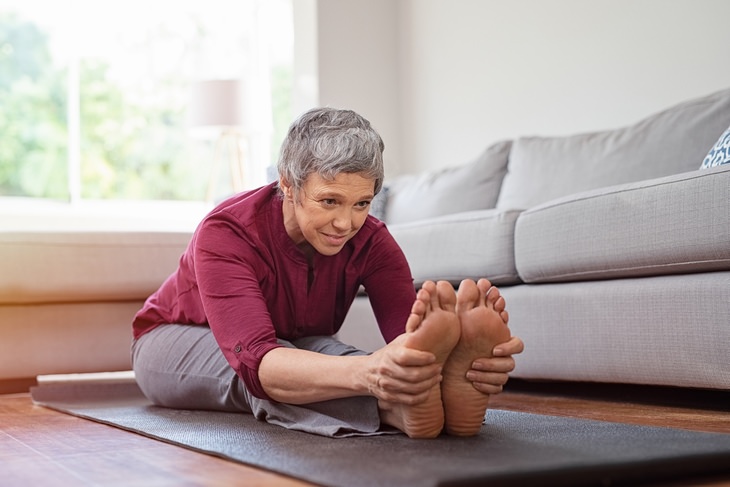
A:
(343, 220)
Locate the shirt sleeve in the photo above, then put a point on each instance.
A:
(226, 265)
(389, 285)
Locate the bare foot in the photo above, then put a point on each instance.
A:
(481, 310)
(432, 326)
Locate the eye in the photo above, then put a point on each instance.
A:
(329, 202)
(362, 204)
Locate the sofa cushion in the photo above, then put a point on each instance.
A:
(470, 244)
(474, 186)
(674, 224)
(664, 330)
(670, 142)
(720, 152)
(55, 267)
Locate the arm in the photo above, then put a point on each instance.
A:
(394, 373)
(225, 269)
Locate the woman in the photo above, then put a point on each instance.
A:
(246, 321)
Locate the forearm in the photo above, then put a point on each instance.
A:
(296, 376)
(394, 373)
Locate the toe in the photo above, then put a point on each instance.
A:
(421, 304)
(505, 316)
(468, 295)
(493, 296)
(432, 299)
(418, 310)
(446, 295)
(499, 304)
(484, 286)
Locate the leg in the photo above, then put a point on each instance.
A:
(181, 366)
(433, 326)
(481, 310)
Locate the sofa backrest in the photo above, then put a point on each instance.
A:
(673, 141)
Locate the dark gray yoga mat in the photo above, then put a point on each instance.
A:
(512, 448)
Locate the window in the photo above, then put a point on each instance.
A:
(94, 94)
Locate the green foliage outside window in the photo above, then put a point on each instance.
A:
(32, 114)
(133, 142)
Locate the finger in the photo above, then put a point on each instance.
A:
(488, 378)
(513, 346)
(494, 364)
(392, 390)
(414, 388)
(487, 388)
(410, 357)
(409, 399)
(408, 378)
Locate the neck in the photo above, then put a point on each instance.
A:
(290, 222)
(292, 229)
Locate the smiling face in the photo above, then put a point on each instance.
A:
(325, 214)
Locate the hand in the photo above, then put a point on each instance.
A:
(398, 374)
(489, 375)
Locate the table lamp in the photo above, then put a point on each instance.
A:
(218, 110)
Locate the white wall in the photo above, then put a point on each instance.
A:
(305, 89)
(442, 79)
(358, 64)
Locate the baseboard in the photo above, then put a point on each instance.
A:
(13, 386)
(704, 399)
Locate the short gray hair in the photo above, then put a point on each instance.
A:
(329, 141)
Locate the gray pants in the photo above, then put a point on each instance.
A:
(181, 366)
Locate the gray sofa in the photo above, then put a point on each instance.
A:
(612, 249)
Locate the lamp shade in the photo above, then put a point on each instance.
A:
(219, 104)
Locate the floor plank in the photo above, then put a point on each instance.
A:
(695, 410)
(39, 446)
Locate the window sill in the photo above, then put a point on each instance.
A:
(29, 215)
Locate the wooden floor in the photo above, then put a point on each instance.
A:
(39, 446)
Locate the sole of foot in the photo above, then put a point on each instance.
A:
(483, 318)
(432, 326)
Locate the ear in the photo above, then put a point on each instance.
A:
(286, 188)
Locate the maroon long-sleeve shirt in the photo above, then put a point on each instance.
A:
(244, 277)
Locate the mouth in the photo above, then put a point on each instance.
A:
(335, 240)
